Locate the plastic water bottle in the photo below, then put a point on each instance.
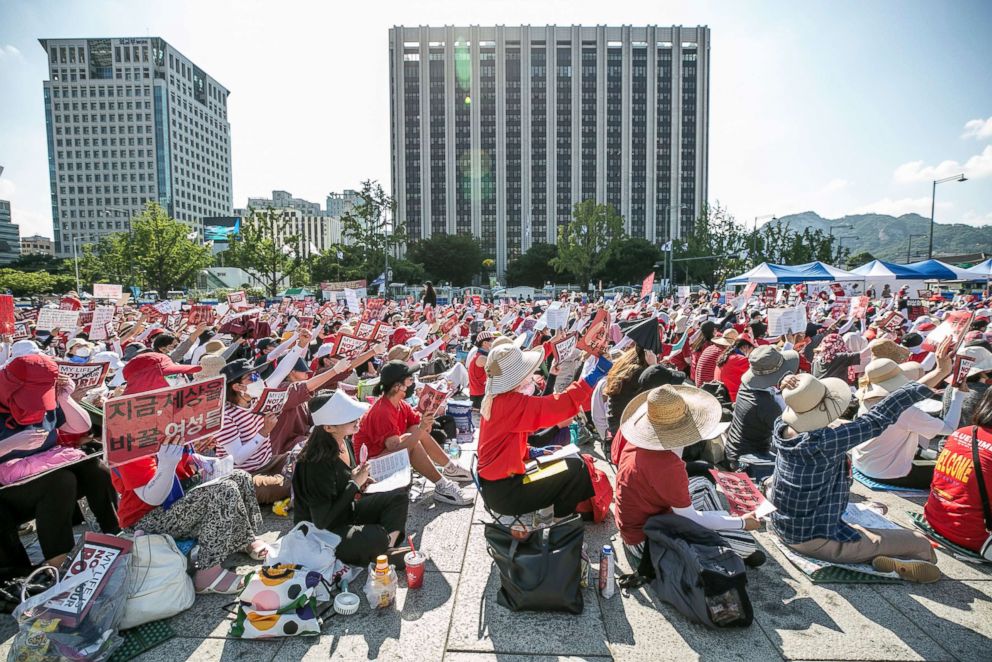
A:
(573, 432)
(607, 581)
(453, 449)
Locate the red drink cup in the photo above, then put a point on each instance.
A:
(415, 562)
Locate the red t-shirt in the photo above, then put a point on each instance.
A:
(731, 372)
(503, 436)
(954, 507)
(477, 375)
(382, 421)
(705, 366)
(648, 483)
(129, 477)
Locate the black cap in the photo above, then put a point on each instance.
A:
(235, 370)
(132, 350)
(912, 339)
(393, 372)
(658, 375)
(265, 343)
(301, 366)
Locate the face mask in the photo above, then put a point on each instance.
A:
(254, 389)
(410, 390)
(84, 352)
(77, 358)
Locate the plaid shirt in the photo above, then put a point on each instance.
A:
(812, 474)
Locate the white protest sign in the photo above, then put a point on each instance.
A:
(786, 320)
(351, 300)
(102, 316)
(56, 318)
(557, 316)
(107, 291)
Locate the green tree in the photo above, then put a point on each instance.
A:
(456, 258)
(586, 243)
(633, 259)
(533, 267)
(164, 256)
(26, 283)
(368, 227)
(405, 271)
(859, 259)
(338, 262)
(108, 261)
(267, 250)
(715, 250)
(41, 262)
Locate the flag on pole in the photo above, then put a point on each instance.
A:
(647, 285)
(667, 246)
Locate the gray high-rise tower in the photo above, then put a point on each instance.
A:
(131, 120)
(499, 131)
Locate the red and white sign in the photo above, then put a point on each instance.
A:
(237, 300)
(271, 401)
(647, 285)
(7, 319)
(564, 347)
(348, 346)
(85, 375)
(596, 338)
(430, 399)
(107, 291)
(741, 493)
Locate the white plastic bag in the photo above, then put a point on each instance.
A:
(160, 587)
(309, 546)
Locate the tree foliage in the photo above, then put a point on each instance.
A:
(27, 283)
(267, 250)
(368, 228)
(859, 259)
(587, 242)
(633, 259)
(455, 258)
(533, 267)
(41, 262)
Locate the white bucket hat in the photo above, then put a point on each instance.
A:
(339, 409)
(815, 403)
(671, 417)
(507, 366)
(982, 357)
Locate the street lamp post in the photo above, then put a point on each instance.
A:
(909, 244)
(933, 204)
(670, 268)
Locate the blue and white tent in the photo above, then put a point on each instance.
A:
(773, 274)
(880, 270)
(982, 270)
(937, 270)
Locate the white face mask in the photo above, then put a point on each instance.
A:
(254, 389)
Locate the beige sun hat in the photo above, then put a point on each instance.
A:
(815, 403)
(727, 339)
(399, 353)
(212, 365)
(671, 417)
(884, 376)
(883, 348)
(507, 366)
(214, 346)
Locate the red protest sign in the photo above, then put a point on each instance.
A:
(596, 338)
(893, 322)
(955, 325)
(564, 346)
(915, 309)
(21, 330)
(837, 288)
(476, 300)
(99, 555)
(749, 290)
(271, 401)
(430, 399)
(6, 314)
(741, 493)
(367, 330)
(202, 314)
(647, 284)
(134, 426)
(237, 300)
(349, 346)
(85, 375)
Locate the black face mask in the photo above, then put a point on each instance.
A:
(410, 391)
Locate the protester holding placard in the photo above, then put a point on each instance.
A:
(476, 362)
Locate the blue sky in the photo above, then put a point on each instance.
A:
(836, 107)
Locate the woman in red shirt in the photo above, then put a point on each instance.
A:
(732, 365)
(509, 414)
(477, 368)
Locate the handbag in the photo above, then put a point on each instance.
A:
(986, 549)
(279, 601)
(160, 586)
(311, 547)
(540, 572)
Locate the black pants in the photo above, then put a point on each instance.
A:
(920, 476)
(564, 491)
(476, 401)
(51, 501)
(374, 518)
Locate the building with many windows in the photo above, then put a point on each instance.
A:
(36, 244)
(340, 203)
(10, 235)
(499, 131)
(131, 120)
(317, 232)
(285, 200)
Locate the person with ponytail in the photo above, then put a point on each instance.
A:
(509, 414)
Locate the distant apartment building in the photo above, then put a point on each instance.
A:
(317, 232)
(340, 203)
(285, 200)
(37, 245)
(10, 235)
(498, 131)
(131, 120)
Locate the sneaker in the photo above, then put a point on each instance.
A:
(921, 572)
(449, 493)
(457, 472)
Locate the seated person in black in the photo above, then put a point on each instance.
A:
(327, 481)
(758, 404)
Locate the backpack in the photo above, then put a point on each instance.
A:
(697, 572)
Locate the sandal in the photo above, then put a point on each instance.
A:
(223, 575)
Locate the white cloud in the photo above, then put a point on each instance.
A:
(9, 51)
(835, 185)
(979, 129)
(977, 167)
(902, 206)
(971, 217)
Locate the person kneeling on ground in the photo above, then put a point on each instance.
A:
(328, 487)
(652, 478)
(158, 496)
(812, 484)
(392, 425)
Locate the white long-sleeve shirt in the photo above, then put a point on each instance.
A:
(600, 409)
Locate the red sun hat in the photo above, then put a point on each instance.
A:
(27, 388)
(147, 372)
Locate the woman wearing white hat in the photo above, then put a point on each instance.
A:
(509, 414)
(327, 479)
(652, 478)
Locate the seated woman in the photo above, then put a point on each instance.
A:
(889, 457)
(36, 408)
(733, 363)
(509, 415)
(223, 516)
(652, 478)
(327, 481)
(955, 506)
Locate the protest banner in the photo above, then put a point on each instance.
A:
(351, 300)
(596, 338)
(556, 316)
(430, 399)
(476, 300)
(102, 316)
(769, 293)
(134, 426)
(564, 346)
(741, 493)
(21, 330)
(85, 375)
(859, 307)
(366, 330)
(344, 284)
(893, 321)
(107, 291)
(164, 308)
(348, 346)
(837, 289)
(7, 319)
(202, 314)
(915, 309)
(92, 566)
(237, 300)
(56, 318)
(786, 320)
(955, 325)
(962, 364)
(749, 291)
(647, 285)
(271, 401)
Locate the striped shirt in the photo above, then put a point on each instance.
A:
(240, 428)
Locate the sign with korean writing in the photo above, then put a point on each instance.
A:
(564, 346)
(893, 322)
(955, 325)
(56, 318)
(343, 284)
(431, 399)
(351, 300)
(134, 426)
(21, 331)
(237, 300)
(97, 559)
(85, 375)
(271, 401)
(596, 338)
(6, 315)
(102, 317)
(107, 291)
(556, 316)
(741, 493)
(202, 314)
(915, 309)
(786, 320)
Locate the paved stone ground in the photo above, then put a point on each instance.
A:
(455, 618)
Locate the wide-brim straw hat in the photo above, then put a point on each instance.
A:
(728, 338)
(815, 403)
(671, 417)
(883, 348)
(507, 366)
(884, 376)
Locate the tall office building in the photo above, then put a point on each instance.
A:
(499, 131)
(340, 203)
(10, 235)
(131, 120)
(285, 200)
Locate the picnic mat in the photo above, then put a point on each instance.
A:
(957, 551)
(873, 484)
(824, 572)
(142, 638)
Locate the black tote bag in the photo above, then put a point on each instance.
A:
(542, 571)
